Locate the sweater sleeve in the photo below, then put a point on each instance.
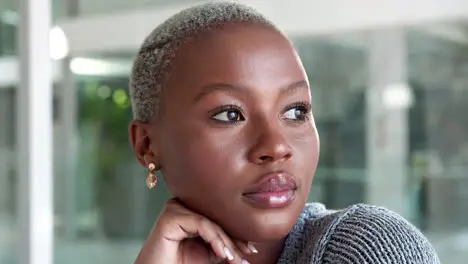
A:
(368, 234)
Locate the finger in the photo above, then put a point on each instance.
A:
(232, 253)
(238, 256)
(252, 248)
(236, 252)
(200, 226)
(194, 225)
(246, 248)
(214, 259)
(242, 246)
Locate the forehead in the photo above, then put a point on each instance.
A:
(240, 54)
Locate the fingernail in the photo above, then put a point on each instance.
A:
(228, 253)
(252, 248)
(245, 261)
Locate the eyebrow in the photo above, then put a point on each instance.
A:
(210, 88)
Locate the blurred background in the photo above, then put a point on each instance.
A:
(389, 83)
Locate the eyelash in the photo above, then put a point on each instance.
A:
(227, 108)
(304, 106)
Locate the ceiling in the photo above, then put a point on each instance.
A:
(93, 7)
(457, 32)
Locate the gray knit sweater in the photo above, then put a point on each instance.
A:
(360, 234)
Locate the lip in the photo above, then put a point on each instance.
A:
(274, 190)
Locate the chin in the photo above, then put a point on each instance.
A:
(268, 225)
(270, 232)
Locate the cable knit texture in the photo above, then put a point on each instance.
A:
(360, 234)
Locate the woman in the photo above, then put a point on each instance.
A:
(222, 107)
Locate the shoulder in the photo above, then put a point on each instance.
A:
(370, 234)
(361, 234)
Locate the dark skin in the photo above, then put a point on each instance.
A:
(236, 105)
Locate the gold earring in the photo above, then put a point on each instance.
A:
(151, 179)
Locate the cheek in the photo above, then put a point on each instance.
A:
(307, 151)
(200, 164)
(307, 143)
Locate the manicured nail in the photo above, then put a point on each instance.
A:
(228, 253)
(245, 261)
(252, 248)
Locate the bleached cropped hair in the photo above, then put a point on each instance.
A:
(153, 61)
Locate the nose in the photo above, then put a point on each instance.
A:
(270, 146)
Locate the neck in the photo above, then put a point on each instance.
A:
(268, 253)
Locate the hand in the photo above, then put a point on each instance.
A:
(181, 236)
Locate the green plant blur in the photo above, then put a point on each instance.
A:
(106, 107)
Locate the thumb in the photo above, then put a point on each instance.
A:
(214, 259)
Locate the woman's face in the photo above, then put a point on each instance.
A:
(236, 140)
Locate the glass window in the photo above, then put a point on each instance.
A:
(336, 68)
(7, 177)
(104, 211)
(113, 210)
(439, 136)
(8, 24)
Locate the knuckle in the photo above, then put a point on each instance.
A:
(172, 206)
(211, 233)
(205, 224)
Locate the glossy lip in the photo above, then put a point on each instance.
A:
(274, 190)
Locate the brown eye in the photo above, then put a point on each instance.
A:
(232, 115)
(297, 112)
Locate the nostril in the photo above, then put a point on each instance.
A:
(264, 158)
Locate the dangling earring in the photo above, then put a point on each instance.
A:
(151, 179)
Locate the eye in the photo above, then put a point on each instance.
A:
(230, 114)
(297, 112)
(294, 114)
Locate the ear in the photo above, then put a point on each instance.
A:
(143, 144)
